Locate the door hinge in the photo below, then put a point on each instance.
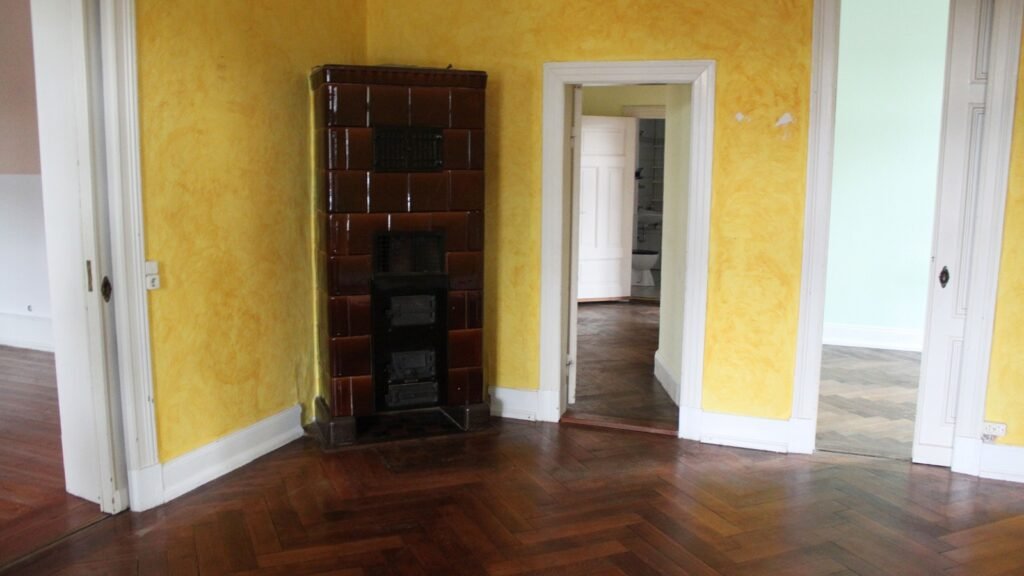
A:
(569, 361)
(88, 274)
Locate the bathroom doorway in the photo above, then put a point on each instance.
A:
(620, 164)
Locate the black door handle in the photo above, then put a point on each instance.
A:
(944, 277)
(106, 288)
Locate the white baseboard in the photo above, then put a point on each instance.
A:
(1002, 462)
(664, 377)
(877, 337)
(162, 483)
(26, 331)
(795, 436)
(514, 403)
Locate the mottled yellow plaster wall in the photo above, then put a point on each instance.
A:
(763, 50)
(226, 188)
(1005, 402)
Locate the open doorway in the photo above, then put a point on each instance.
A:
(884, 181)
(623, 224)
(36, 507)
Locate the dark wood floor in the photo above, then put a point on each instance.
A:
(34, 508)
(868, 401)
(615, 365)
(534, 498)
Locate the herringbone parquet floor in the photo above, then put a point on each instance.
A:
(868, 401)
(531, 498)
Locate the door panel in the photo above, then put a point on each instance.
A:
(607, 164)
(970, 27)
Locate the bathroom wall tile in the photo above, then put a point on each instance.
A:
(341, 105)
(348, 275)
(454, 226)
(476, 150)
(474, 231)
(410, 222)
(337, 316)
(464, 348)
(467, 190)
(346, 191)
(389, 106)
(428, 191)
(429, 107)
(465, 270)
(474, 309)
(350, 356)
(360, 316)
(389, 192)
(457, 310)
(362, 228)
(456, 149)
(337, 234)
(467, 108)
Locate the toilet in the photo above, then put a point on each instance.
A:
(643, 262)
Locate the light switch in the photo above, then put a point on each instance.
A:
(152, 277)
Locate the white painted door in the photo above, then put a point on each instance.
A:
(607, 164)
(966, 78)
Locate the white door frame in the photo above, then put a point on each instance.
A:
(69, 107)
(1000, 102)
(556, 220)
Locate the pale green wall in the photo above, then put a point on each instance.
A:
(892, 58)
(609, 100)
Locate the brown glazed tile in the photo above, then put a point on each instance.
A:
(341, 401)
(360, 318)
(465, 270)
(362, 228)
(474, 231)
(410, 222)
(428, 191)
(457, 310)
(346, 191)
(467, 191)
(475, 384)
(389, 192)
(332, 149)
(453, 224)
(389, 106)
(467, 108)
(350, 356)
(342, 104)
(348, 275)
(465, 348)
(474, 309)
(476, 150)
(337, 317)
(337, 234)
(429, 107)
(359, 142)
(458, 386)
(456, 149)
(362, 395)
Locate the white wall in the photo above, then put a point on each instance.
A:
(888, 121)
(24, 289)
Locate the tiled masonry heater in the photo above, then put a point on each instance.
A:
(400, 178)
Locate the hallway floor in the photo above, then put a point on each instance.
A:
(544, 499)
(615, 365)
(34, 507)
(868, 401)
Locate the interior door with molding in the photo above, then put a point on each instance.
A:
(964, 112)
(606, 207)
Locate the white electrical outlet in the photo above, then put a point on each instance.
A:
(996, 429)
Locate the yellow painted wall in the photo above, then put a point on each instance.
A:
(1005, 402)
(609, 100)
(763, 50)
(226, 168)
